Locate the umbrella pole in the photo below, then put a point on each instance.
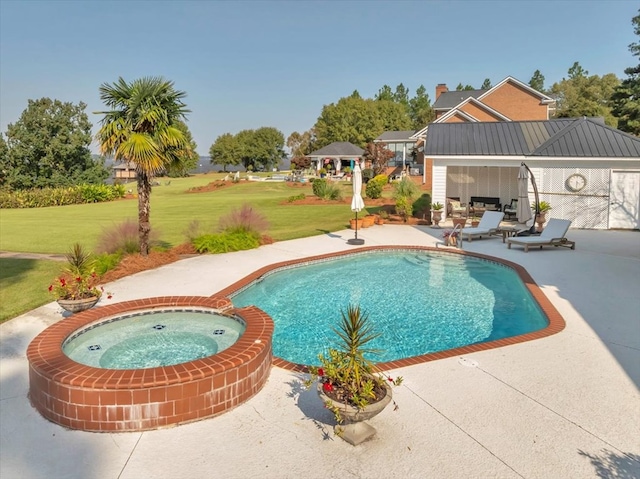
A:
(536, 196)
(356, 225)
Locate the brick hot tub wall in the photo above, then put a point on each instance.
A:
(104, 400)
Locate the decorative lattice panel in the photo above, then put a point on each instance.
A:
(588, 208)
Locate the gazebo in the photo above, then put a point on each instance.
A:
(336, 153)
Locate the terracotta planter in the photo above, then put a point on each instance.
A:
(459, 221)
(379, 220)
(352, 223)
(355, 430)
(77, 305)
(474, 224)
(368, 221)
(540, 221)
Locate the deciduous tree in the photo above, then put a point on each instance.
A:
(378, 155)
(49, 146)
(225, 151)
(486, 84)
(141, 129)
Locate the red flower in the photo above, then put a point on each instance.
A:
(50, 287)
(320, 372)
(109, 296)
(390, 379)
(63, 282)
(79, 279)
(327, 387)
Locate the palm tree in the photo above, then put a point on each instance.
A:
(141, 129)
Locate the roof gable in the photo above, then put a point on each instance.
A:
(471, 101)
(450, 99)
(543, 98)
(338, 148)
(395, 136)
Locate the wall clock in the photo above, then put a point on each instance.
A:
(576, 182)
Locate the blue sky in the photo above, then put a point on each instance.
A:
(245, 64)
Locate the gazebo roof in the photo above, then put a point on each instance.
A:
(338, 149)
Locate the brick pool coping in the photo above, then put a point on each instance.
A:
(104, 400)
(555, 319)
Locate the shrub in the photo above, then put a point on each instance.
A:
(78, 194)
(405, 188)
(122, 238)
(403, 207)
(245, 219)
(422, 205)
(106, 261)
(373, 189)
(193, 230)
(226, 241)
(367, 174)
(326, 190)
(293, 198)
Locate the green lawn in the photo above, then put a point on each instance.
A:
(23, 285)
(55, 229)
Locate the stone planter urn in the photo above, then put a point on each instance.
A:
(354, 430)
(540, 221)
(436, 217)
(77, 305)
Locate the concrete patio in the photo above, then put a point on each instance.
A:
(566, 406)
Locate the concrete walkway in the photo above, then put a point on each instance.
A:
(566, 406)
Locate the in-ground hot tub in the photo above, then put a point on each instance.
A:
(93, 398)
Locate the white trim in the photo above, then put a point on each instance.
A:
(477, 103)
(454, 112)
(543, 98)
(418, 134)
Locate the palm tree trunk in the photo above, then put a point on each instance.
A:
(144, 207)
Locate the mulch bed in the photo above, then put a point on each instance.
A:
(213, 186)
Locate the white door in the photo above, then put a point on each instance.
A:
(624, 200)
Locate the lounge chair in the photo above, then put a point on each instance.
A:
(489, 223)
(552, 235)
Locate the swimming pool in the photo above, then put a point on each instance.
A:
(421, 301)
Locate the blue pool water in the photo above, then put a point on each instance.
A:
(421, 302)
(153, 338)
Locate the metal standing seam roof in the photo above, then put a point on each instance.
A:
(396, 136)
(584, 137)
(338, 148)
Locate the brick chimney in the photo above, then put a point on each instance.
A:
(441, 88)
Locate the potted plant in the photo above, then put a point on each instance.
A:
(437, 213)
(323, 172)
(450, 237)
(475, 221)
(76, 288)
(541, 218)
(348, 383)
(382, 217)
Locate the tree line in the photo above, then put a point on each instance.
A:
(49, 144)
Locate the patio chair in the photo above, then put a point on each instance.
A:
(552, 235)
(511, 209)
(489, 224)
(454, 207)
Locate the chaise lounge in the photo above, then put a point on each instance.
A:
(552, 235)
(489, 223)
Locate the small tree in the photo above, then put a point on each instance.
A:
(378, 155)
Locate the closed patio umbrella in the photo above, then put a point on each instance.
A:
(357, 203)
(523, 210)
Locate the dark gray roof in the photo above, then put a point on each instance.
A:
(449, 99)
(391, 136)
(567, 137)
(338, 148)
